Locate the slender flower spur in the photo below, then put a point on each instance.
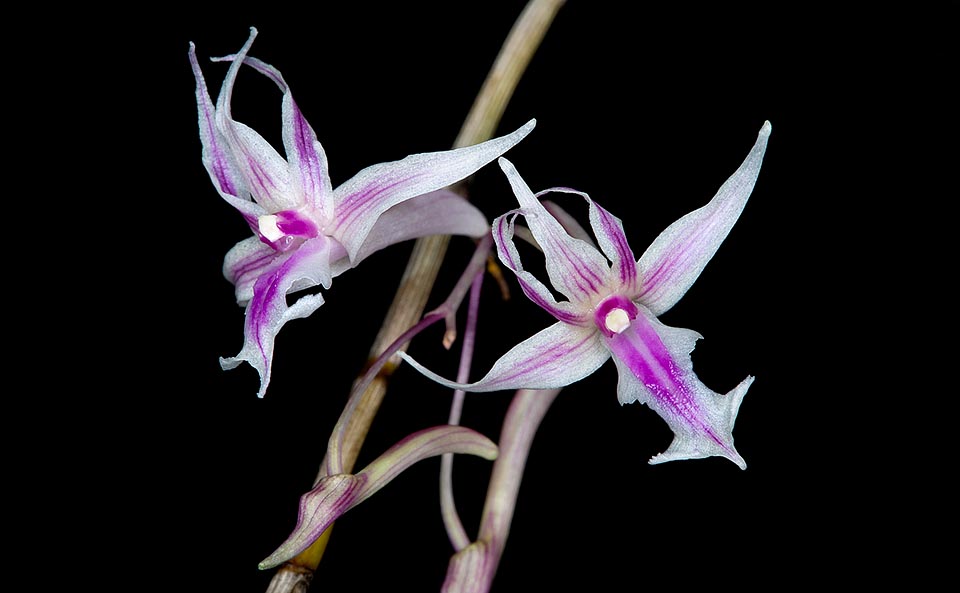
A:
(305, 231)
(612, 307)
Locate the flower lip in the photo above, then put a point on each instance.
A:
(614, 314)
(286, 229)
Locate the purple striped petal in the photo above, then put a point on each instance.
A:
(309, 174)
(308, 161)
(536, 291)
(675, 259)
(264, 171)
(576, 269)
(246, 262)
(655, 368)
(441, 212)
(251, 258)
(555, 357)
(216, 154)
(613, 241)
(360, 201)
(608, 229)
(267, 309)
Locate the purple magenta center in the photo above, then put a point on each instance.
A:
(609, 304)
(291, 222)
(296, 228)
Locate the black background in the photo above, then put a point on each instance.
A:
(648, 110)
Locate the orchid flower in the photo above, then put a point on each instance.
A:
(305, 231)
(612, 307)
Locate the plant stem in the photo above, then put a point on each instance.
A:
(428, 253)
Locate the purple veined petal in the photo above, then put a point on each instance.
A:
(536, 291)
(335, 495)
(653, 361)
(576, 269)
(613, 242)
(246, 262)
(674, 260)
(441, 212)
(308, 161)
(215, 156)
(265, 173)
(608, 229)
(267, 310)
(251, 258)
(555, 357)
(360, 201)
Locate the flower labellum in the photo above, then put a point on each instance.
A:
(306, 232)
(612, 307)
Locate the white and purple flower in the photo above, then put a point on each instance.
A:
(611, 309)
(305, 231)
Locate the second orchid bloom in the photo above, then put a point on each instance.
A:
(612, 306)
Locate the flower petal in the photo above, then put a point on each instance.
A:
(246, 262)
(608, 229)
(267, 310)
(360, 201)
(536, 291)
(675, 259)
(613, 241)
(261, 67)
(555, 357)
(655, 368)
(335, 495)
(216, 156)
(251, 258)
(308, 161)
(441, 212)
(576, 269)
(264, 171)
